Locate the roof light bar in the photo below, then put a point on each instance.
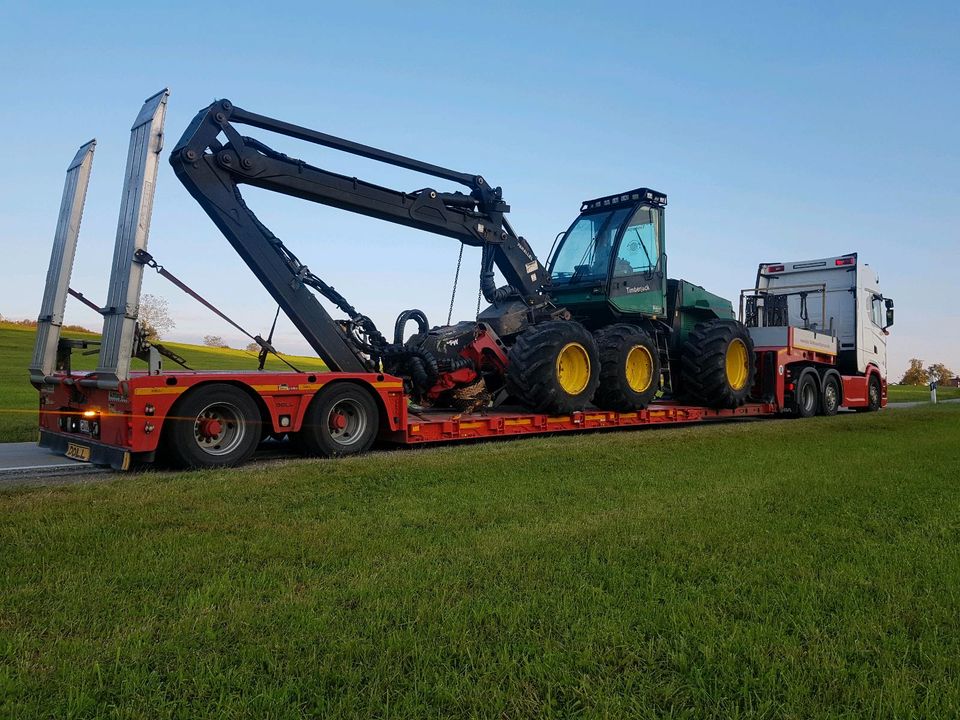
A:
(633, 196)
(774, 268)
(845, 261)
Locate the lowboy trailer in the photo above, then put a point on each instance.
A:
(810, 338)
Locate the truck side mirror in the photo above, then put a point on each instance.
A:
(889, 303)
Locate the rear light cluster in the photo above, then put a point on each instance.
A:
(87, 423)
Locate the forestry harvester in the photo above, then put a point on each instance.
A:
(597, 337)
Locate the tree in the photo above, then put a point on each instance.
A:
(940, 372)
(154, 317)
(252, 347)
(214, 341)
(915, 374)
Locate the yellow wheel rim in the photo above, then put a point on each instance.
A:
(639, 368)
(738, 365)
(573, 368)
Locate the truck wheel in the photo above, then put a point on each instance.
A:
(805, 396)
(554, 367)
(342, 420)
(830, 396)
(873, 395)
(212, 426)
(629, 368)
(717, 364)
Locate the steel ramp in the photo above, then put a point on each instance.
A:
(133, 228)
(61, 263)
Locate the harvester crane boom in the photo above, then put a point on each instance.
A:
(212, 172)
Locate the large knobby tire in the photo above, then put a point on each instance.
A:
(717, 364)
(806, 396)
(830, 396)
(629, 368)
(342, 419)
(212, 426)
(554, 367)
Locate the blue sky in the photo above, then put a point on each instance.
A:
(779, 131)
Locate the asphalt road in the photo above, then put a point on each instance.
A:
(26, 458)
(27, 465)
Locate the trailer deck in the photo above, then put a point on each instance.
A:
(114, 427)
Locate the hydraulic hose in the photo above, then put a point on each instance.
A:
(488, 286)
(416, 315)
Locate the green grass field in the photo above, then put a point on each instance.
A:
(919, 393)
(18, 398)
(782, 568)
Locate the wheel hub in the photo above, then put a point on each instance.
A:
(737, 364)
(573, 368)
(639, 368)
(210, 428)
(338, 421)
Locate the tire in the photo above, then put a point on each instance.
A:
(342, 419)
(629, 368)
(717, 364)
(830, 396)
(554, 367)
(806, 396)
(873, 394)
(212, 426)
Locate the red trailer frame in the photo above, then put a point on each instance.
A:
(116, 427)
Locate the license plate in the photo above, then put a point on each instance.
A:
(78, 452)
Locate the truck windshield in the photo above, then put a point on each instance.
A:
(584, 254)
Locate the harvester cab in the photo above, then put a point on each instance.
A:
(612, 261)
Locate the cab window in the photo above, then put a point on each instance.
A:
(639, 248)
(584, 254)
(878, 312)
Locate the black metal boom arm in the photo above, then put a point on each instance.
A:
(212, 171)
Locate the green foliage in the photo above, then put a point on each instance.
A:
(915, 374)
(214, 341)
(154, 316)
(787, 568)
(18, 398)
(940, 372)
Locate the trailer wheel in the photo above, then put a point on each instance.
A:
(212, 426)
(717, 364)
(629, 368)
(805, 396)
(342, 420)
(554, 367)
(830, 396)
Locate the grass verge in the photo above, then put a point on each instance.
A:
(770, 569)
(18, 398)
(919, 393)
